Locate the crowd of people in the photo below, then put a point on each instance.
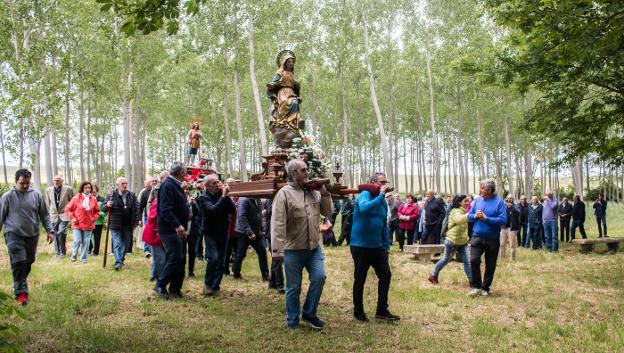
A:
(175, 229)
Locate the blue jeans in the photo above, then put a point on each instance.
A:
(534, 236)
(175, 253)
(294, 263)
(215, 261)
(449, 248)
(82, 239)
(551, 236)
(119, 246)
(158, 261)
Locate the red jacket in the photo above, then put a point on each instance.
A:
(410, 210)
(150, 231)
(80, 217)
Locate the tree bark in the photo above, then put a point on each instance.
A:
(54, 152)
(434, 136)
(81, 128)
(239, 129)
(510, 173)
(67, 155)
(4, 166)
(48, 156)
(226, 124)
(254, 87)
(34, 155)
(345, 122)
(382, 134)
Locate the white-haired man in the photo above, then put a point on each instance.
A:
(295, 239)
(56, 198)
(123, 217)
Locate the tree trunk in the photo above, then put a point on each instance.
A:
(67, 155)
(226, 126)
(510, 173)
(127, 109)
(4, 166)
(53, 143)
(48, 156)
(81, 133)
(89, 131)
(345, 123)
(434, 136)
(36, 163)
(254, 87)
(382, 134)
(239, 129)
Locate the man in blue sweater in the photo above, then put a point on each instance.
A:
(173, 216)
(370, 242)
(488, 215)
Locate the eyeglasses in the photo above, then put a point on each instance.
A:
(302, 170)
(384, 182)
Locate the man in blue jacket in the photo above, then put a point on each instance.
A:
(370, 242)
(173, 216)
(488, 215)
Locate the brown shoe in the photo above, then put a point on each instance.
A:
(433, 279)
(207, 291)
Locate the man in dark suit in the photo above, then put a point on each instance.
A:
(578, 217)
(600, 211)
(565, 213)
(173, 220)
(123, 217)
(435, 212)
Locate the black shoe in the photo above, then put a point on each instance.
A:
(281, 291)
(238, 277)
(161, 292)
(361, 317)
(191, 274)
(314, 322)
(177, 294)
(387, 316)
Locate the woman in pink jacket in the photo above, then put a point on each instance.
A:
(408, 214)
(83, 210)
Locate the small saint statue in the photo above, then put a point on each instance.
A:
(193, 140)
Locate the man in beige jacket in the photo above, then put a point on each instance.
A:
(56, 198)
(295, 239)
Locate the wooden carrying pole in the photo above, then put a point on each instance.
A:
(106, 242)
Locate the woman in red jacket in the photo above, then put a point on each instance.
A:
(408, 214)
(83, 210)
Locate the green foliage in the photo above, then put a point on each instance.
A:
(572, 52)
(148, 16)
(613, 190)
(8, 330)
(4, 188)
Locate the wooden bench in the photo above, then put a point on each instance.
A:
(424, 252)
(587, 245)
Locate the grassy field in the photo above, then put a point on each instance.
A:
(565, 302)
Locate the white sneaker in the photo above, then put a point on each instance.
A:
(474, 292)
(485, 293)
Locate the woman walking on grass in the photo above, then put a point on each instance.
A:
(456, 238)
(83, 210)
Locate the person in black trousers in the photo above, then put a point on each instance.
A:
(193, 229)
(248, 218)
(600, 211)
(173, 217)
(578, 217)
(276, 275)
(434, 216)
(347, 220)
(523, 207)
(565, 213)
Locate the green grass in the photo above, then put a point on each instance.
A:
(565, 302)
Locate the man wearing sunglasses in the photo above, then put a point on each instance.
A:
(295, 239)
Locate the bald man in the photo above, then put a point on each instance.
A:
(123, 217)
